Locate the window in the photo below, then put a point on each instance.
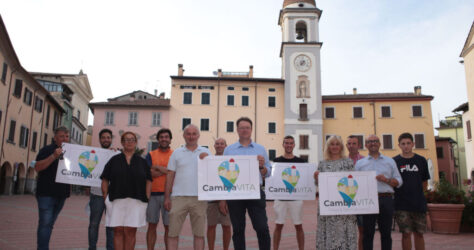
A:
(271, 90)
(439, 152)
(38, 104)
(187, 98)
(271, 154)
(386, 111)
(303, 111)
(230, 88)
(271, 128)
(387, 142)
(419, 141)
(327, 137)
(245, 89)
(230, 100)
(230, 126)
(18, 88)
(28, 97)
(48, 110)
(357, 112)
(245, 100)
(156, 119)
(205, 124)
(109, 118)
(24, 132)
(55, 120)
(45, 141)
(468, 130)
(132, 118)
(271, 101)
(11, 135)
(304, 141)
(4, 72)
(417, 111)
(329, 112)
(304, 157)
(186, 122)
(206, 98)
(153, 145)
(360, 139)
(33, 141)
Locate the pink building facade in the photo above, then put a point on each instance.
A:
(139, 112)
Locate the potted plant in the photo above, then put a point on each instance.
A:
(467, 221)
(445, 207)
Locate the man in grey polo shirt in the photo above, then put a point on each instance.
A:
(181, 193)
(388, 177)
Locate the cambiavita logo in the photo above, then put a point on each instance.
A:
(347, 188)
(87, 161)
(290, 177)
(228, 172)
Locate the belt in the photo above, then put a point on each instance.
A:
(385, 194)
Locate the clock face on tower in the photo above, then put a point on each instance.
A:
(302, 63)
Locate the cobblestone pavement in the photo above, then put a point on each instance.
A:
(19, 219)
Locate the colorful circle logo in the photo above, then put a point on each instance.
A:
(87, 162)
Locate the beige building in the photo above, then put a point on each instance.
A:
(467, 54)
(28, 115)
(386, 115)
(214, 104)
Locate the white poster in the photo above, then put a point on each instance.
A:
(291, 181)
(83, 165)
(228, 178)
(348, 193)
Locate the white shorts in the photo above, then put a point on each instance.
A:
(294, 207)
(126, 212)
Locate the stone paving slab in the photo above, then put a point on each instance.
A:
(19, 220)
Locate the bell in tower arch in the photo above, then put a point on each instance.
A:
(301, 32)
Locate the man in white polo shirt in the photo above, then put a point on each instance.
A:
(181, 185)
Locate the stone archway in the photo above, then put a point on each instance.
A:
(20, 177)
(30, 184)
(6, 178)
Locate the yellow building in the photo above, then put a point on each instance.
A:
(386, 115)
(213, 104)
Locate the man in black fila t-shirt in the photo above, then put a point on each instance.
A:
(410, 202)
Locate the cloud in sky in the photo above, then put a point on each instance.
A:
(376, 46)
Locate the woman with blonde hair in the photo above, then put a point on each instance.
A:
(126, 187)
(335, 231)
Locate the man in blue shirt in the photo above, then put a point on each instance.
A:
(255, 208)
(388, 177)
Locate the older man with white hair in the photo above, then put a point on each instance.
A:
(181, 192)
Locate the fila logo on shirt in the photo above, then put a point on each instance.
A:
(408, 168)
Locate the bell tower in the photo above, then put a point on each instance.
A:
(300, 54)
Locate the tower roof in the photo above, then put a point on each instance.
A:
(288, 2)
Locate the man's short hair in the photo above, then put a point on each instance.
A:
(162, 131)
(354, 137)
(105, 130)
(61, 128)
(405, 136)
(289, 137)
(244, 119)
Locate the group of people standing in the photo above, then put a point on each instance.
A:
(137, 191)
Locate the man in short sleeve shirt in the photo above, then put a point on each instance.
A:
(410, 202)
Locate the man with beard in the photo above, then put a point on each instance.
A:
(158, 161)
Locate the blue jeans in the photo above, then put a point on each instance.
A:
(48, 210)
(384, 219)
(97, 206)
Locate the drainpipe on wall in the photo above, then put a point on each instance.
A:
(218, 103)
(255, 112)
(6, 111)
(372, 103)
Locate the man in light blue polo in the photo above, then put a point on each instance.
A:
(255, 208)
(388, 177)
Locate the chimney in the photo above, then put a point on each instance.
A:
(354, 91)
(156, 92)
(219, 72)
(180, 70)
(417, 90)
(251, 71)
(162, 95)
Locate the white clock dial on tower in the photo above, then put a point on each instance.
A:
(302, 63)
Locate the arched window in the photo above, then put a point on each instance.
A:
(301, 32)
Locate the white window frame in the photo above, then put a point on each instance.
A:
(326, 137)
(424, 140)
(227, 101)
(242, 101)
(421, 106)
(182, 122)
(25, 136)
(184, 98)
(268, 101)
(111, 118)
(156, 119)
(363, 140)
(202, 94)
(362, 107)
(208, 124)
(269, 132)
(130, 118)
(391, 111)
(383, 142)
(334, 108)
(233, 127)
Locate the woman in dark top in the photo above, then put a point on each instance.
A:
(126, 186)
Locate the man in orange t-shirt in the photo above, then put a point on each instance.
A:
(158, 161)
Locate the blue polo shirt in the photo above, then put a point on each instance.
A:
(252, 149)
(382, 165)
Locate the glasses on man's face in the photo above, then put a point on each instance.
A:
(128, 140)
(372, 141)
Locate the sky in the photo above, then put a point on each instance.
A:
(372, 45)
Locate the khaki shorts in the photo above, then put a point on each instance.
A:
(214, 216)
(181, 206)
(295, 209)
(409, 222)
